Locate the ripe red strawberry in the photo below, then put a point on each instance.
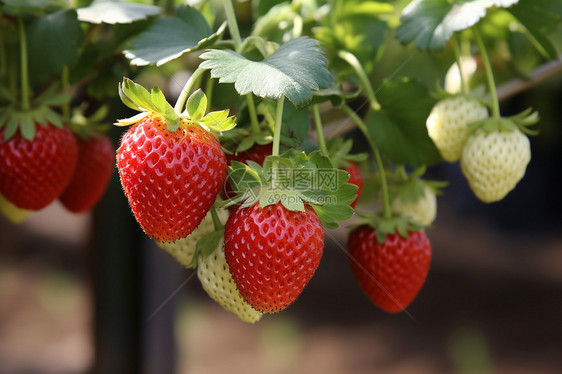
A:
(256, 153)
(92, 175)
(34, 173)
(170, 178)
(391, 273)
(356, 179)
(272, 253)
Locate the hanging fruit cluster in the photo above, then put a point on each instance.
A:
(246, 200)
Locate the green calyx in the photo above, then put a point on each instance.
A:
(87, 127)
(411, 187)
(339, 149)
(521, 121)
(154, 103)
(13, 118)
(295, 179)
(383, 226)
(206, 246)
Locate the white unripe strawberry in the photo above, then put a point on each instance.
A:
(447, 124)
(423, 211)
(215, 277)
(183, 249)
(494, 162)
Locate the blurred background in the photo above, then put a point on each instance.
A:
(91, 293)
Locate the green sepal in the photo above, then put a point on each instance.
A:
(14, 119)
(294, 179)
(196, 106)
(521, 121)
(398, 224)
(206, 246)
(339, 149)
(154, 103)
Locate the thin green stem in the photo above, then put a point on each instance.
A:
(180, 103)
(278, 125)
(237, 39)
(386, 211)
(456, 49)
(209, 88)
(354, 62)
(65, 85)
(319, 130)
(254, 124)
(402, 172)
(23, 66)
(489, 73)
(216, 220)
(232, 23)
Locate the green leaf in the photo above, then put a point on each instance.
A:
(431, 23)
(36, 7)
(294, 70)
(540, 17)
(197, 105)
(54, 41)
(170, 37)
(116, 12)
(399, 129)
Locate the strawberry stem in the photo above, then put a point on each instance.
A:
(216, 220)
(253, 115)
(180, 103)
(387, 213)
(23, 66)
(319, 130)
(278, 125)
(456, 50)
(354, 62)
(232, 24)
(489, 73)
(65, 84)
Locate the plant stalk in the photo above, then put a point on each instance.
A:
(489, 73)
(232, 24)
(254, 124)
(23, 66)
(386, 211)
(319, 130)
(180, 103)
(354, 62)
(216, 220)
(278, 125)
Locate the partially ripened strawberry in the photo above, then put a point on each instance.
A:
(35, 172)
(390, 273)
(96, 160)
(356, 179)
(272, 253)
(215, 277)
(170, 178)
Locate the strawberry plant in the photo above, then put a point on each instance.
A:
(259, 131)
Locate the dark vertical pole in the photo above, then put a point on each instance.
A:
(117, 290)
(161, 282)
